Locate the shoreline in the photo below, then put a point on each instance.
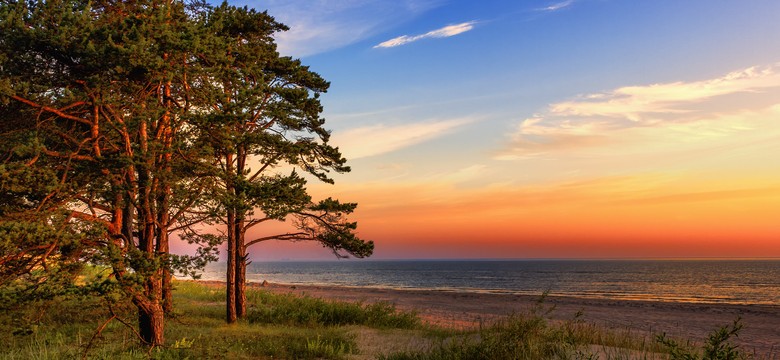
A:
(641, 317)
(646, 298)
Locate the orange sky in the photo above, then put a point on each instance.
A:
(646, 216)
(651, 133)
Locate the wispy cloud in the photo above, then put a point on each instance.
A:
(686, 111)
(379, 139)
(323, 25)
(558, 6)
(641, 103)
(447, 31)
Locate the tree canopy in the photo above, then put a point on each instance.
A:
(123, 122)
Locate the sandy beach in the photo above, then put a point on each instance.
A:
(689, 320)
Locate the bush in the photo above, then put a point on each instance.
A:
(717, 346)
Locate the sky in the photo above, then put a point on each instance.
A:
(547, 129)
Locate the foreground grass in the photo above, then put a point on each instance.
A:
(277, 326)
(285, 326)
(532, 336)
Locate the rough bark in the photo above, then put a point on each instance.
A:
(240, 269)
(165, 134)
(167, 286)
(231, 270)
(240, 230)
(151, 321)
(150, 310)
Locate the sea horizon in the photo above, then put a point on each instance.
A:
(691, 258)
(716, 281)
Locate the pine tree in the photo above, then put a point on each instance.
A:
(123, 122)
(94, 95)
(266, 114)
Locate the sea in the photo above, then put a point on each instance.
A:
(694, 281)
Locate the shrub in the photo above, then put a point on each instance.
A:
(717, 346)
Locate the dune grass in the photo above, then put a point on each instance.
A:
(286, 326)
(277, 326)
(293, 310)
(533, 336)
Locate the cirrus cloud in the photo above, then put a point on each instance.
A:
(323, 25)
(379, 139)
(671, 113)
(447, 31)
(558, 6)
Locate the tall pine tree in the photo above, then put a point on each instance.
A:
(265, 116)
(123, 122)
(96, 93)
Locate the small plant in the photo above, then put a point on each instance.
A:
(183, 343)
(717, 346)
(321, 348)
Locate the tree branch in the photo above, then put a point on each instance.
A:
(254, 222)
(51, 110)
(299, 236)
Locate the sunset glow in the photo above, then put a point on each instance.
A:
(543, 129)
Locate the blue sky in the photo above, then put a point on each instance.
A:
(460, 104)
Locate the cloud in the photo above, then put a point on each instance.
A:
(681, 112)
(558, 6)
(446, 31)
(638, 103)
(380, 139)
(323, 25)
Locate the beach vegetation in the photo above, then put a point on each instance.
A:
(532, 336)
(288, 326)
(296, 310)
(65, 327)
(304, 310)
(717, 346)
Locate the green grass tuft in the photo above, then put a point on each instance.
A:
(717, 346)
(297, 310)
(531, 336)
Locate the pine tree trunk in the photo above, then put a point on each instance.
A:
(238, 233)
(241, 289)
(167, 292)
(151, 318)
(240, 271)
(151, 322)
(163, 248)
(231, 268)
(241, 157)
(167, 286)
(163, 206)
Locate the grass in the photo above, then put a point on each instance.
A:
(532, 336)
(292, 310)
(285, 326)
(277, 326)
(306, 311)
